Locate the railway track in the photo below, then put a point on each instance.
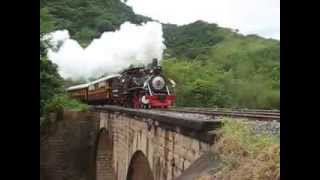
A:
(231, 109)
(254, 114)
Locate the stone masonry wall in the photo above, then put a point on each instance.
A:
(68, 151)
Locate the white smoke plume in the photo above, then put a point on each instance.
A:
(112, 52)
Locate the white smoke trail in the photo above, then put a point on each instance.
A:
(112, 52)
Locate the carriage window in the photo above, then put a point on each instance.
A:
(91, 88)
(102, 84)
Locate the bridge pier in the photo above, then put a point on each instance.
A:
(104, 157)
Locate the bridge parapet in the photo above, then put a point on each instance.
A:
(196, 126)
(169, 141)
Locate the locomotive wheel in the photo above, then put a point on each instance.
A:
(145, 106)
(128, 102)
(135, 101)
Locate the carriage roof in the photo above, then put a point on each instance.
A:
(81, 86)
(104, 78)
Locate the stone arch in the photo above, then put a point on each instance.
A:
(139, 168)
(104, 156)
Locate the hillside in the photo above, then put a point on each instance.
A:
(216, 66)
(191, 40)
(213, 66)
(88, 19)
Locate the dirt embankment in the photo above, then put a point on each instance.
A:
(240, 153)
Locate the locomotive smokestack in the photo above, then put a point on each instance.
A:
(154, 62)
(155, 66)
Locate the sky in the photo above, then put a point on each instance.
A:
(260, 17)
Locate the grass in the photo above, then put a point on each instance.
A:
(242, 133)
(245, 155)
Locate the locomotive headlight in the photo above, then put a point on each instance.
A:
(158, 83)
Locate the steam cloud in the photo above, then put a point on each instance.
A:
(112, 52)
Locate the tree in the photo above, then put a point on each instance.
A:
(50, 80)
(236, 72)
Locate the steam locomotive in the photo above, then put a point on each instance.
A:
(139, 87)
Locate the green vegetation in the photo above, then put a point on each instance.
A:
(52, 94)
(60, 102)
(50, 80)
(56, 104)
(192, 40)
(247, 155)
(246, 138)
(212, 66)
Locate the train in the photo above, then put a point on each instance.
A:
(135, 87)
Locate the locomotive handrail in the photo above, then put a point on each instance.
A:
(168, 90)
(135, 88)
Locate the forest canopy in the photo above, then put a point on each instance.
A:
(215, 66)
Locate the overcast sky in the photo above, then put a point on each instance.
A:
(260, 17)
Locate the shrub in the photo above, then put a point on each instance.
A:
(60, 102)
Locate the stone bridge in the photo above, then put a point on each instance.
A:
(114, 143)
